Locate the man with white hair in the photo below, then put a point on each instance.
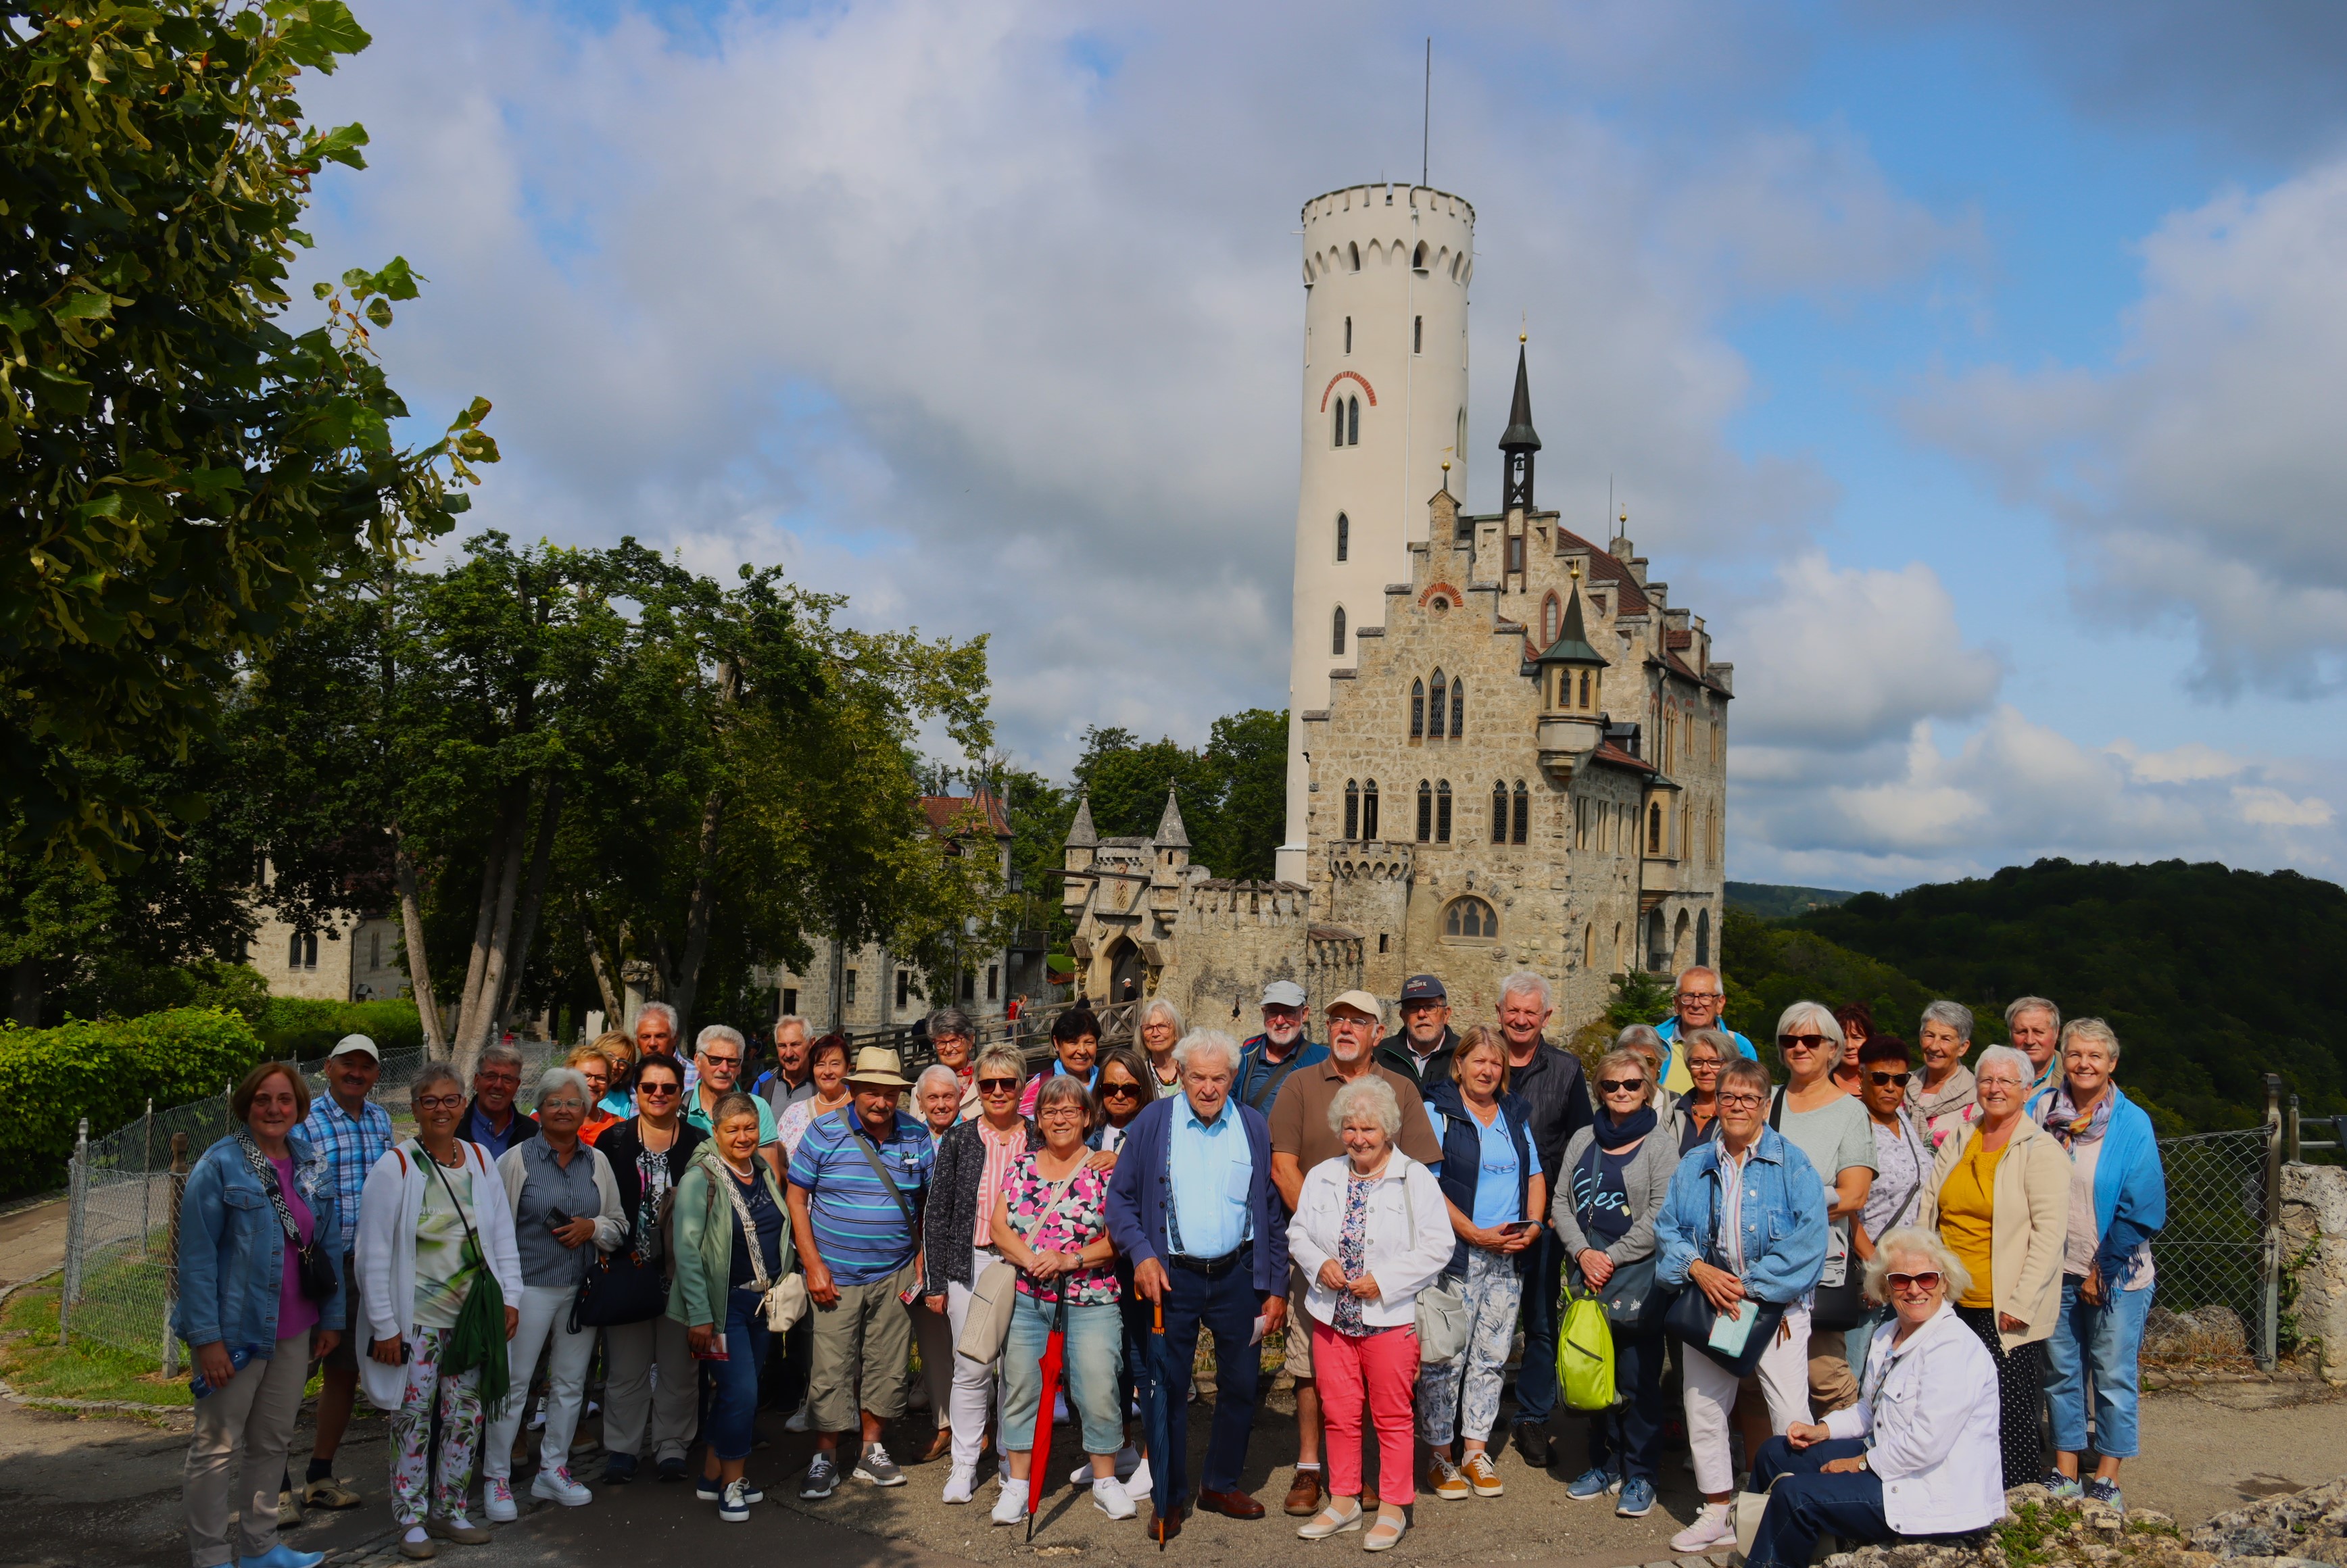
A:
(1190, 1204)
(788, 1081)
(656, 1032)
(719, 1050)
(492, 1119)
(1551, 1081)
(1266, 1059)
(1697, 1002)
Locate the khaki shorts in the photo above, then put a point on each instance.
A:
(1299, 1325)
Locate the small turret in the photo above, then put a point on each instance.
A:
(1171, 840)
(1518, 441)
(1572, 675)
(1079, 852)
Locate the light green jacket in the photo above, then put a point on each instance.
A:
(703, 1238)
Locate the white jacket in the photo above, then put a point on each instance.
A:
(388, 1207)
(1404, 1260)
(1932, 1405)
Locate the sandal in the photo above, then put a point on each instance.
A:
(1341, 1514)
(1385, 1533)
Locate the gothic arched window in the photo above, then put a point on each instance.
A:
(1442, 812)
(1344, 536)
(1523, 824)
(1549, 613)
(1424, 812)
(1417, 258)
(1439, 706)
(1352, 422)
(1457, 709)
(1416, 710)
(1655, 827)
(1337, 430)
(1337, 632)
(1499, 812)
(1470, 919)
(1369, 809)
(1352, 808)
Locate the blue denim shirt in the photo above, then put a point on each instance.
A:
(232, 1250)
(1784, 1218)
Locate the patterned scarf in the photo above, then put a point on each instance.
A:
(2062, 1117)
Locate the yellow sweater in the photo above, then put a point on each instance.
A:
(1968, 1220)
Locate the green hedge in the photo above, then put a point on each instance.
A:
(51, 1078)
(294, 1030)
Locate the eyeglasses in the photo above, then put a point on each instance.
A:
(1120, 1091)
(1620, 1085)
(561, 1105)
(1884, 1080)
(654, 1091)
(1744, 1100)
(708, 1062)
(1703, 1064)
(1697, 996)
(998, 1086)
(1928, 1281)
(438, 1101)
(1801, 1041)
(1060, 1112)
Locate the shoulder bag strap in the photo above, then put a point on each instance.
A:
(758, 1279)
(266, 1172)
(864, 1147)
(480, 1253)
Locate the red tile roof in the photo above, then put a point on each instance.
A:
(947, 812)
(1603, 567)
(1678, 640)
(1613, 756)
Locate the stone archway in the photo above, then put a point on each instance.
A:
(1128, 971)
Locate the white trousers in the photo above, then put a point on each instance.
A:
(545, 1315)
(1783, 1373)
(974, 1382)
(649, 1374)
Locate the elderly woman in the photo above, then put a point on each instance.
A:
(1371, 1230)
(958, 1241)
(594, 1064)
(1655, 1051)
(1821, 1120)
(1942, 1094)
(433, 1222)
(1617, 1174)
(1124, 1089)
(2118, 1201)
(648, 1154)
(1745, 1224)
(259, 1264)
(1858, 1027)
(827, 1070)
(618, 1049)
(1496, 1193)
(1999, 1195)
(1161, 1029)
(733, 1249)
(1694, 1119)
(563, 1198)
(1916, 1456)
(936, 1098)
(1075, 1054)
(1051, 1222)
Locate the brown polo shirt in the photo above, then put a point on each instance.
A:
(1299, 1116)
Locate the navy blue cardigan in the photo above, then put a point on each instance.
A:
(1138, 1192)
(1462, 1157)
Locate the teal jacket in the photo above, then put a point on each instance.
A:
(702, 1236)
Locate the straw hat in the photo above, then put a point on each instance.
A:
(879, 1067)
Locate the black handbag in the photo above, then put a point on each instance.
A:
(1832, 1308)
(620, 1288)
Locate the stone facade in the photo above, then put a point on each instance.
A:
(355, 958)
(2314, 1247)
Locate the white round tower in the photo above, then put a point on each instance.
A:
(1386, 269)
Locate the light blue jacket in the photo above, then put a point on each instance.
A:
(232, 1250)
(2130, 1184)
(1784, 1219)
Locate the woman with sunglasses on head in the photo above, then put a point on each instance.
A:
(1824, 1123)
(1903, 1160)
(648, 1154)
(958, 1240)
(1916, 1456)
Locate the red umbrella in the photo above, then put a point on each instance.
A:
(1038, 1458)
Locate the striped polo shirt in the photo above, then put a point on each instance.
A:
(859, 1227)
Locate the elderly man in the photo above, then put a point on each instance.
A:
(352, 1132)
(1266, 1059)
(1696, 1003)
(1301, 1138)
(787, 1081)
(491, 1121)
(1550, 1081)
(656, 1030)
(856, 1185)
(2035, 1027)
(1190, 1205)
(1422, 1045)
(719, 1050)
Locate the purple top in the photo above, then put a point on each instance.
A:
(296, 1312)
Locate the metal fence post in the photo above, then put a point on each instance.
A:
(179, 1186)
(2270, 1273)
(76, 1202)
(146, 1177)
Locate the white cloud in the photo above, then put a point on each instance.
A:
(2178, 764)
(2272, 808)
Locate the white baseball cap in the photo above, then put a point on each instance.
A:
(358, 1042)
(1283, 994)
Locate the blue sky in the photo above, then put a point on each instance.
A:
(1973, 371)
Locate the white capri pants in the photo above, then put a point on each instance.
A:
(973, 1381)
(1784, 1374)
(545, 1315)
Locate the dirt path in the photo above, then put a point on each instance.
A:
(32, 1242)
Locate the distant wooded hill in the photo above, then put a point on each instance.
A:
(2203, 971)
(1773, 901)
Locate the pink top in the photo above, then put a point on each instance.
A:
(296, 1312)
(1001, 1148)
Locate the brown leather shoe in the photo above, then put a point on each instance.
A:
(939, 1446)
(1368, 1498)
(1304, 1497)
(1173, 1523)
(1231, 1504)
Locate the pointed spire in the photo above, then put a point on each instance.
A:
(1572, 644)
(1520, 436)
(1171, 834)
(1082, 835)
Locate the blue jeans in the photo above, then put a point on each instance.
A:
(2101, 1343)
(1629, 1438)
(1226, 1309)
(1536, 1377)
(733, 1409)
(1094, 1350)
(1806, 1502)
(1861, 1339)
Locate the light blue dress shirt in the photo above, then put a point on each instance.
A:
(1213, 1173)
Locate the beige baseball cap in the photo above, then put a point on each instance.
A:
(1359, 1002)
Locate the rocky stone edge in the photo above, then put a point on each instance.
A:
(2296, 1529)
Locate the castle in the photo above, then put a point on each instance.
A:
(1506, 749)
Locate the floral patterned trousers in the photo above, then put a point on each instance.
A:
(1462, 1399)
(412, 1469)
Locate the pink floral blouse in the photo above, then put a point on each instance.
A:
(1077, 1220)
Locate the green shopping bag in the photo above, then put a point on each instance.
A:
(1584, 1353)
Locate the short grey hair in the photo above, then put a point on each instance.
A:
(1524, 980)
(1067, 1086)
(1817, 1016)
(555, 1078)
(951, 1020)
(2091, 1029)
(497, 1051)
(1704, 969)
(662, 1008)
(1914, 1241)
(1642, 1035)
(1722, 1043)
(2020, 1005)
(2024, 1070)
(1955, 1015)
(1159, 1005)
(1370, 1096)
(1745, 1070)
(997, 1059)
(1213, 1041)
(936, 1070)
(794, 1021)
(716, 1032)
(431, 1075)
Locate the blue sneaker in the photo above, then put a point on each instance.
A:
(282, 1556)
(2060, 1485)
(619, 1470)
(1637, 1498)
(2106, 1493)
(1596, 1482)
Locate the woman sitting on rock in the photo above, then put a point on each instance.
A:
(1918, 1454)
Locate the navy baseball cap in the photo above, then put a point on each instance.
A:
(1423, 988)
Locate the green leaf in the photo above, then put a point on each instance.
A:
(398, 280)
(83, 307)
(212, 484)
(66, 393)
(379, 312)
(340, 145)
(314, 34)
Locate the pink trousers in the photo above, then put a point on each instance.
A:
(1376, 1374)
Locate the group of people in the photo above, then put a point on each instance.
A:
(1873, 1278)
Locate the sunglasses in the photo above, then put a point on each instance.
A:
(1926, 1281)
(1620, 1085)
(1884, 1080)
(1801, 1041)
(998, 1086)
(1119, 1091)
(654, 1091)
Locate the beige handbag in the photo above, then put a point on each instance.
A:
(996, 1292)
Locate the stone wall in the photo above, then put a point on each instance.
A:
(2314, 1249)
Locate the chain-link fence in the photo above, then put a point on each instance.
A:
(122, 1215)
(2214, 1251)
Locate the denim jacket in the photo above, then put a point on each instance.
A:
(1784, 1218)
(232, 1250)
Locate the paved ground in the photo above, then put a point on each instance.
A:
(32, 1242)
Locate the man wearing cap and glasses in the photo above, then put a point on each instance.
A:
(1695, 1004)
(1301, 1138)
(857, 1182)
(1423, 1044)
(352, 1132)
(1267, 1060)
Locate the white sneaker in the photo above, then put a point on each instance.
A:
(1107, 1496)
(1011, 1506)
(1713, 1526)
(496, 1500)
(1138, 1484)
(556, 1486)
(1127, 1458)
(960, 1484)
(798, 1420)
